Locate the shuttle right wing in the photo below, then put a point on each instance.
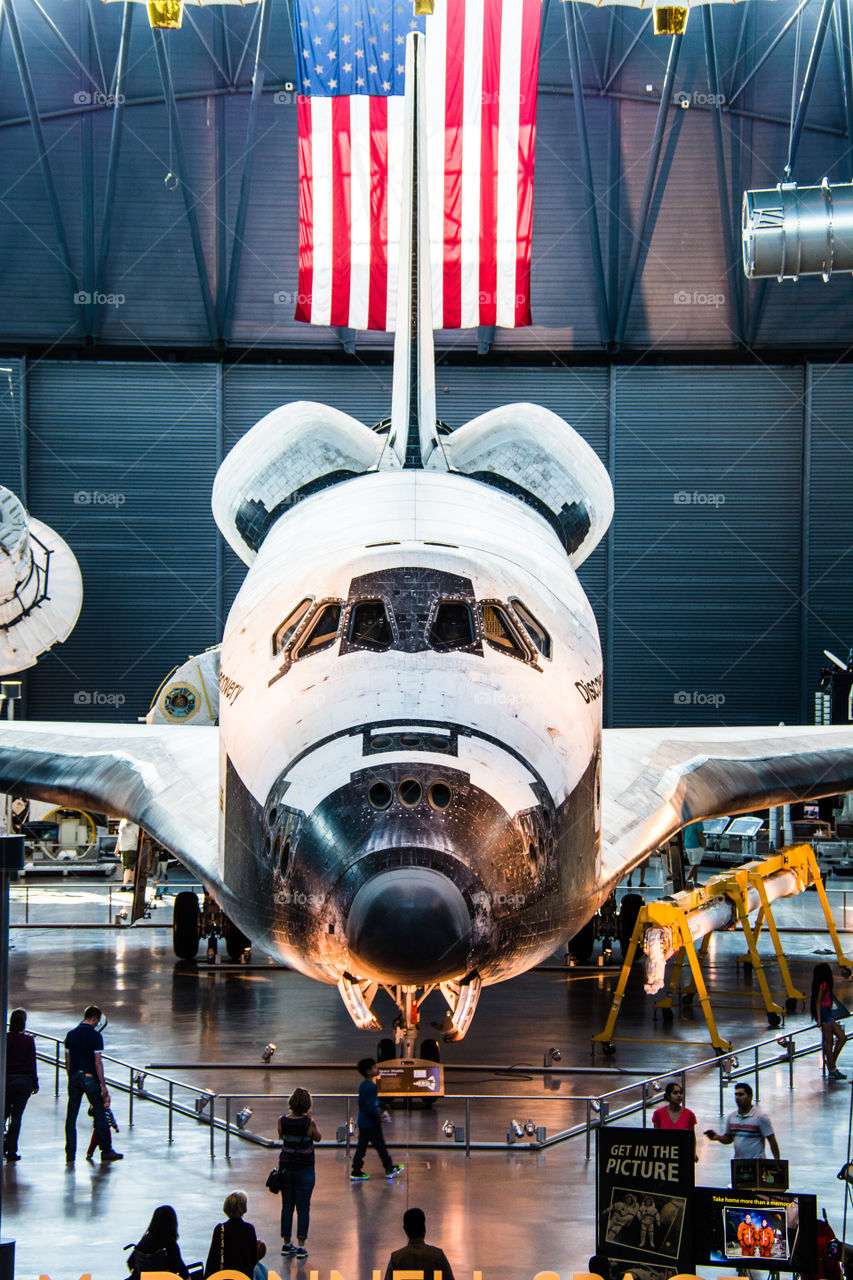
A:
(656, 781)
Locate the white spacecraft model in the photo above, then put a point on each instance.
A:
(41, 590)
(409, 788)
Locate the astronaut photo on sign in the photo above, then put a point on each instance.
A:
(645, 1221)
(755, 1234)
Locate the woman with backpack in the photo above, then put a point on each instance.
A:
(158, 1249)
(298, 1133)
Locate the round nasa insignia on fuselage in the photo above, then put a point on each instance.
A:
(179, 702)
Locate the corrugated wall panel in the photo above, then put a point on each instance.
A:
(121, 464)
(707, 529)
(829, 619)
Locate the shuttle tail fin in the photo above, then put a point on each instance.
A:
(413, 438)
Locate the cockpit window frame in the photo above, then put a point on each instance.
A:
(365, 646)
(520, 611)
(295, 650)
(277, 649)
(526, 652)
(471, 646)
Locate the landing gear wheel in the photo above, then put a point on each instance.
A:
(628, 913)
(774, 1020)
(386, 1050)
(236, 942)
(186, 926)
(430, 1051)
(791, 1004)
(582, 944)
(608, 1049)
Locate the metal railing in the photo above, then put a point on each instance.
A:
(203, 1105)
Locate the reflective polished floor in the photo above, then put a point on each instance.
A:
(508, 1213)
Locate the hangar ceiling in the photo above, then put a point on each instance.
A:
(157, 172)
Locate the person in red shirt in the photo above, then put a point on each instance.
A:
(21, 1079)
(674, 1115)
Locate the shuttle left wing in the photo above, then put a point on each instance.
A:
(165, 779)
(655, 781)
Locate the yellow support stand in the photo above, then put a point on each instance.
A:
(737, 886)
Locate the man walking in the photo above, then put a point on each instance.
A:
(747, 1128)
(417, 1257)
(370, 1125)
(83, 1048)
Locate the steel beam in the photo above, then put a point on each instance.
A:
(808, 83)
(255, 16)
(731, 245)
(588, 183)
(94, 31)
(63, 254)
(648, 189)
(213, 58)
(847, 67)
(761, 61)
(67, 47)
(626, 55)
(87, 158)
(189, 198)
(112, 162)
(246, 180)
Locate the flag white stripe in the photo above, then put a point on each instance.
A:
(436, 62)
(321, 168)
(359, 283)
(508, 176)
(471, 132)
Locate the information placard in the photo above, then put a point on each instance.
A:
(410, 1078)
(645, 1198)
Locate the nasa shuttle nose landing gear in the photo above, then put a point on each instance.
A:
(461, 995)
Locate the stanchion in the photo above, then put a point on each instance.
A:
(11, 860)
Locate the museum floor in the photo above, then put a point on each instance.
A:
(506, 1213)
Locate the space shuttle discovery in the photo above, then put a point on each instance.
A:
(409, 788)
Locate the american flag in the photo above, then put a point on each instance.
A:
(481, 72)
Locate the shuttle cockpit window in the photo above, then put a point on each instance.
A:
(369, 626)
(452, 626)
(321, 631)
(534, 629)
(287, 629)
(501, 633)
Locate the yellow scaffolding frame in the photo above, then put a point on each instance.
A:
(675, 914)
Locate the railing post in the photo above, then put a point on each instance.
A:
(757, 1077)
(349, 1117)
(468, 1127)
(171, 1100)
(212, 1126)
(56, 1080)
(130, 1102)
(588, 1133)
(720, 1073)
(228, 1127)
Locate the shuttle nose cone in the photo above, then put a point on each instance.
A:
(409, 924)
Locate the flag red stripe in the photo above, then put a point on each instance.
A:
(378, 302)
(341, 210)
(526, 152)
(306, 211)
(490, 119)
(453, 111)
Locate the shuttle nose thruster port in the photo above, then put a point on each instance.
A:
(412, 927)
